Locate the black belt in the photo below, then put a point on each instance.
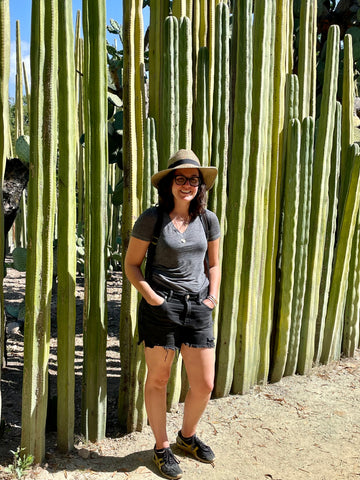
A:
(184, 296)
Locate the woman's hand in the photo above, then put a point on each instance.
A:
(156, 301)
(209, 303)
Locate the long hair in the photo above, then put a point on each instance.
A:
(166, 198)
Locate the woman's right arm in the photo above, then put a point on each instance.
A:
(134, 257)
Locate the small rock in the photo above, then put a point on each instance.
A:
(84, 453)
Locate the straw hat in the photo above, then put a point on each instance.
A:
(186, 159)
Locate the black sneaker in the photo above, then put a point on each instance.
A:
(167, 463)
(196, 447)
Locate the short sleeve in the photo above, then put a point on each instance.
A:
(145, 224)
(214, 226)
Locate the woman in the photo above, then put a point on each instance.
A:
(175, 312)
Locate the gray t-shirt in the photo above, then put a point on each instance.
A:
(179, 257)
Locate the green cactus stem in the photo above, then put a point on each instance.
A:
(41, 201)
(4, 150)
(288, 265)
(66, 260)
(334, 317)
(95, 315)
(330, 236)
(238, 179)
(319, 206)
(306, 166)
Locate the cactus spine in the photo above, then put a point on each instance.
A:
(66, 264)
(319, 207)
(41, 198)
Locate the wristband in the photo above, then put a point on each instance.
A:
(212, 299)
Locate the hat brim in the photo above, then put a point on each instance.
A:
(209, 174)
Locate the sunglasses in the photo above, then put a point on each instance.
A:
(181, 180)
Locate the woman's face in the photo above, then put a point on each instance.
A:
(185, 192)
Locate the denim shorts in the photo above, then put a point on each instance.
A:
(182, 318)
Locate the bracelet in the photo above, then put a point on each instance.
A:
(212, 299)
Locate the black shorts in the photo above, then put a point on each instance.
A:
(181, 319)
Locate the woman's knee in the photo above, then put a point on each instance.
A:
(159, 378)
(203, 388)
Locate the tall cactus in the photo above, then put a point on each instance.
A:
(288, 256)
(220, 113)
(306, 167)
(131, 405)
(249, 315)
(66, 259)
(277, 138)
(185, 83)
(158, 12)
(351, 332)
(200, 126)
(4, 147)
(307, 52)
(238, 177)
(319, 207)
(339, 280)
(169, 120)
(95, 314)
(331, 227)
(41, 200)
(347, 126)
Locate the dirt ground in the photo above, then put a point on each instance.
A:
(302, 428)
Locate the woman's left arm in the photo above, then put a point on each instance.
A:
(214, 272)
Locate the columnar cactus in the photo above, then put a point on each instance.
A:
(237, 198)
(95, 314)
(339, 279)
(169, 119)
(253, 264)
(66, 252)
(331, 227)
(319, 206)
(306, 167)
(130, 415)
(288, 255)
(41, 200)
(4, 147)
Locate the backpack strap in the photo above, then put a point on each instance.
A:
(153, 243)
(205, 223)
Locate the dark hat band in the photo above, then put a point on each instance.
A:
(183, 162)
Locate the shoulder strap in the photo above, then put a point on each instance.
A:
(205, 224)
(153, 243)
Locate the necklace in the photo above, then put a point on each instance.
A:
(180, 225)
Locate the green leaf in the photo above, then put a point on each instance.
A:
(22, 147)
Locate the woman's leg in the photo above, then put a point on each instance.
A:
(200, 368)
(159, 361)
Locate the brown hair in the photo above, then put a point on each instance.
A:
(166, 198)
